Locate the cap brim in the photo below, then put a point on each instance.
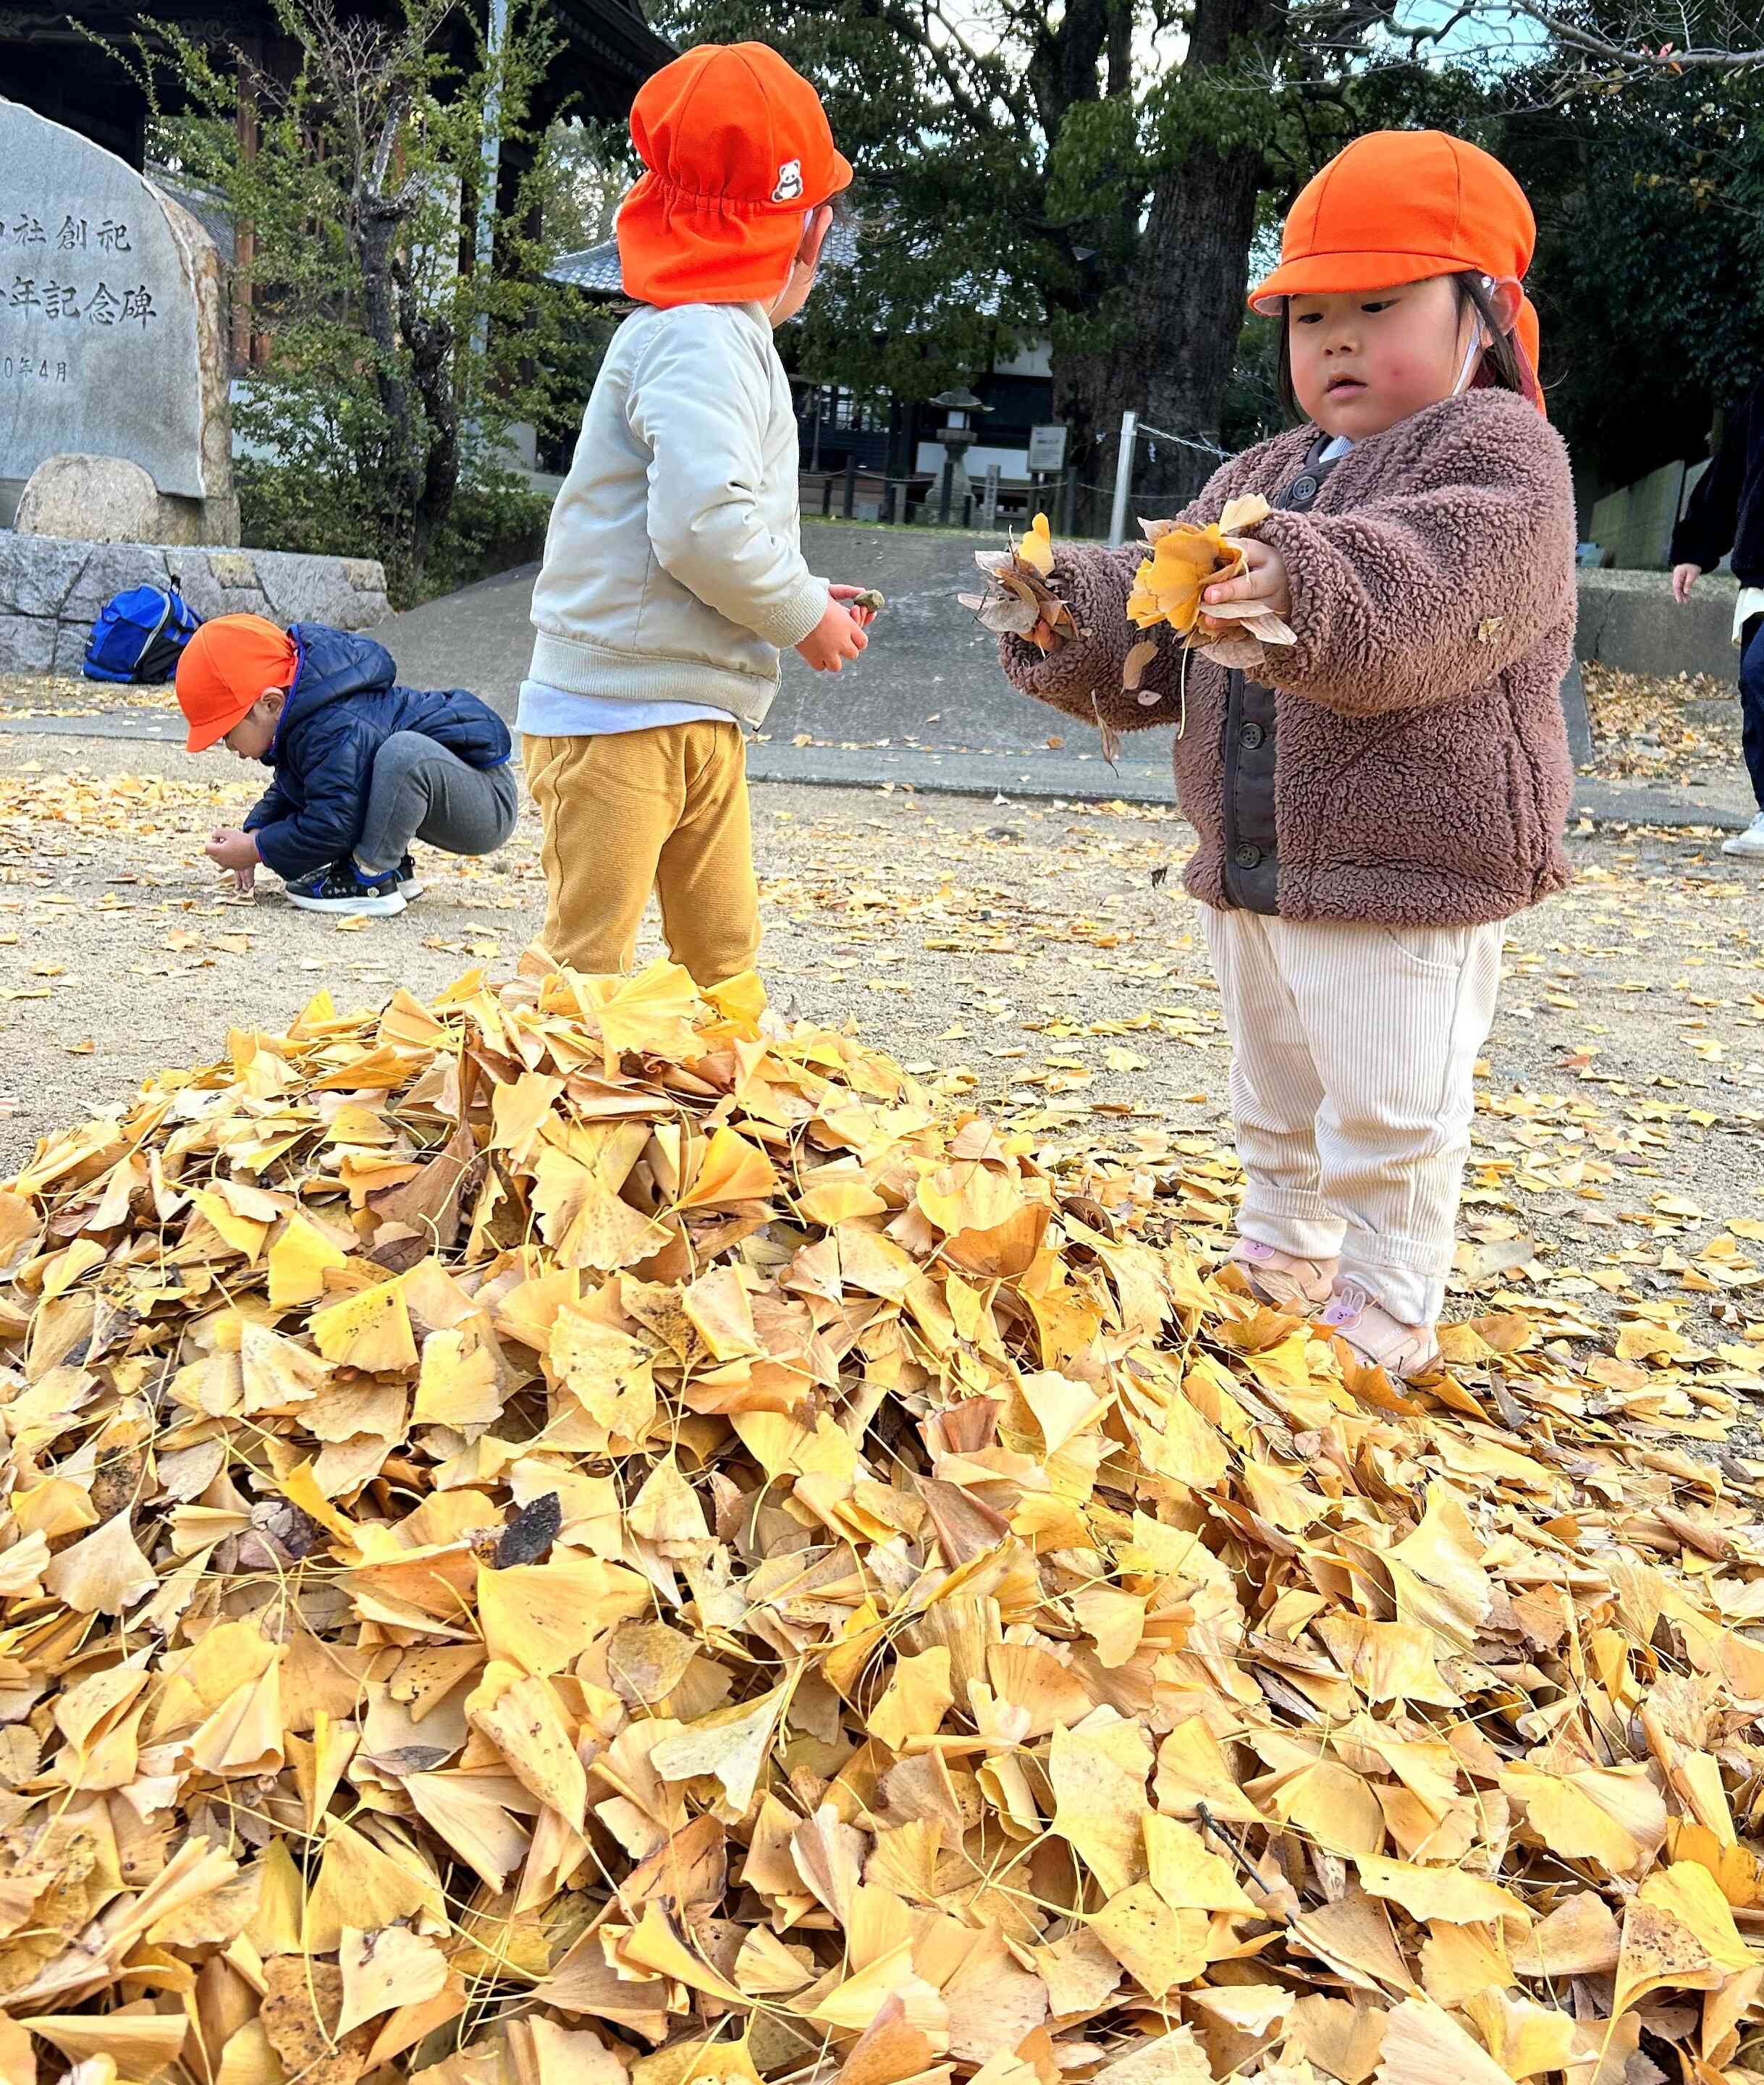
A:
(1325, 274)
(202, 736)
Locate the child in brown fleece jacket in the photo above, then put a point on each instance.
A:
(1374, 799)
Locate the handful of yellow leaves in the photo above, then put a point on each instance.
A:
(576, 1535)
(1185, 560)
(1018, 600)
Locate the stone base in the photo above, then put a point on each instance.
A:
(1630, 620)
(51, 590)
(107, 499)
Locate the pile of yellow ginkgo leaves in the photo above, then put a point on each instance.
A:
(578, 1534)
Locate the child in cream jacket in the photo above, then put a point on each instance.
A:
(673, 573)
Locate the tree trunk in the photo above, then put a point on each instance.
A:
(1091, 390)
(1178, 311)
(397, 483)
(1195, 272)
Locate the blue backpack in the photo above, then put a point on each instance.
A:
(140, 634)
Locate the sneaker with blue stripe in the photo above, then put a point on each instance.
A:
(343, 888)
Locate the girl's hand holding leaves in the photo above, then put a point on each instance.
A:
(1018, 600)
(1190, 566)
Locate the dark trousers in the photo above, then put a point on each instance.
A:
(1752, 702)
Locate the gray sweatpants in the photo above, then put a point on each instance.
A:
(421, 792)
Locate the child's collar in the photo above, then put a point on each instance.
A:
(287, 700)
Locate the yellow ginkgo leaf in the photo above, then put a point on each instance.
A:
(385, 1968)
(369, 1331)
(913, 1703)
(1035, 547)
(299, 1259)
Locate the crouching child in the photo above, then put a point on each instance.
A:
(361, 767)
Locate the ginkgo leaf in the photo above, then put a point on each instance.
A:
(299, 1257)
(916, 1698)
(358, 1881)
(1444, 1893)
(103, 1573)
(1098, 1772)
(1424, 2045)
(385, 1969)
(732, 1744)
(370, 1330)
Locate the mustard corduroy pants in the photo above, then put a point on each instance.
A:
(664, 810)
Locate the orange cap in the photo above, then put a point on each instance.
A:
(737, 148)
(1399, 205)
(225, 668)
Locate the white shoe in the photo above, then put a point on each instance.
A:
(1749, 843)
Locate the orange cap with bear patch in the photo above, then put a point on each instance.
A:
(738, 149)
(1400, 206)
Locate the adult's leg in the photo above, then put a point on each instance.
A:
(607, 808)
(421, 790)
(1395, 1017)
(1752, 702)
(710, 900)
(1275, 1090)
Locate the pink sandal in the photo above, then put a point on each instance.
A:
(1404, 1351)
(1282, 1279)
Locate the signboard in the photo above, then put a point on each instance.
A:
(989, 501)
(1047, 446)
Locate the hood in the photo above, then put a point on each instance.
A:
(334, 665)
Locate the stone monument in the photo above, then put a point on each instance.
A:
(114, 337)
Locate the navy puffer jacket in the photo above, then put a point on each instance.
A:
(342, 708)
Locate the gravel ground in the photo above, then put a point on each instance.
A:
(1019, 957)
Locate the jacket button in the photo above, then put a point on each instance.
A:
(1246, 856)
(1303, 488)
(1253, 735)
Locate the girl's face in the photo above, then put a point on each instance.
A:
(1363, 360)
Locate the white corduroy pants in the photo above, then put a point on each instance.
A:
(1354, 1049)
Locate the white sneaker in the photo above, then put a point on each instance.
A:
(1749, 843)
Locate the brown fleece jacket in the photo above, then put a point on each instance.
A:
(1422, 773)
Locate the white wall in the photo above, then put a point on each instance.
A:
(1034, 358)
(1012, 463)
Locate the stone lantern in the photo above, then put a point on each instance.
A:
(958, 435)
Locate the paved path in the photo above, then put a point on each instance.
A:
(930, 676)
(925, 708)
